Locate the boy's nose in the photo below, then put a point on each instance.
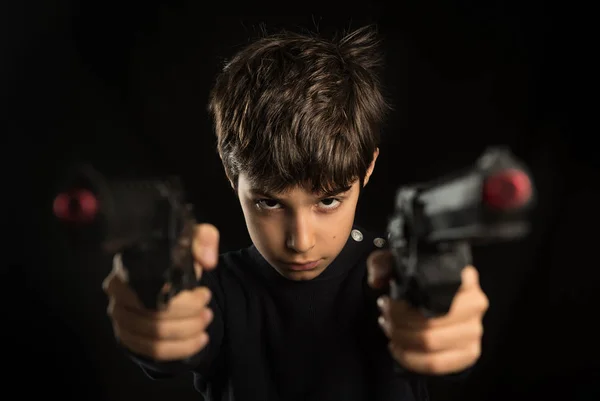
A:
(300, 237)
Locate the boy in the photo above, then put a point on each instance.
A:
(296, 316)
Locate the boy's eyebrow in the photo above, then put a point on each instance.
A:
(333, 192)
(259, 192)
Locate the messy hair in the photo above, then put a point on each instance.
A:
(294, 109)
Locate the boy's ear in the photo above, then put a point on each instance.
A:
(371, 167)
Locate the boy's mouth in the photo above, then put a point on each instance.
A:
(302, 266)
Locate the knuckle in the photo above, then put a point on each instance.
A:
(207, 317)
(157, 350)
(484, 302)
(116, 329)
(386, 326)
(433, 365)
(110, 309)
(427, 340)
(200, 342)
(116, 316)
(475, 351)
(204, 295)
(160, 330)
(479, 330)
(105, 285)
(397, 352)
(194, 345)
(197, 326)
(109, 283)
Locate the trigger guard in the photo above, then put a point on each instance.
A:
(438, 278)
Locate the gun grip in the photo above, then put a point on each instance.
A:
(179, 279)
(438, 278)
(145, 265)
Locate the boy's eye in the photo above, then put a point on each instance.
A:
(330, 203)
(271, 204)
(267, 204)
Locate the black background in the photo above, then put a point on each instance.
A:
(125, 86)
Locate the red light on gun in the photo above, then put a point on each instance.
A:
(508, 189)
(79, 206)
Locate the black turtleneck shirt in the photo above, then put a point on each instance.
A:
(273, 339)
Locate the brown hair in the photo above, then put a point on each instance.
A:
(295, 109)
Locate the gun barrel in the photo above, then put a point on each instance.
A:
(434, 224)
(126, 211)
(486, 202)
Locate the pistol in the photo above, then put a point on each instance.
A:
(146, 224)
(435, 224)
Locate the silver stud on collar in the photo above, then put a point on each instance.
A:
(356, 235)
(379, 242)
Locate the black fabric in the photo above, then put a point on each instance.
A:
(274, 339)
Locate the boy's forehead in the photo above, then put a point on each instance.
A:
(279, 189)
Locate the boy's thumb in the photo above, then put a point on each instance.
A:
(205, 247)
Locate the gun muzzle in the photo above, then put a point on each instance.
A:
(507, 189)
(76, 206)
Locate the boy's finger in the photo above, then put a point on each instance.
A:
(379, 266)
(117, 289)
(206, 247)
(469, 278)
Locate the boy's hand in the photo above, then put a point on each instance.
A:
(178, 331)
(435, 346)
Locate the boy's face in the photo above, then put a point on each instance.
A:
(299, 232)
